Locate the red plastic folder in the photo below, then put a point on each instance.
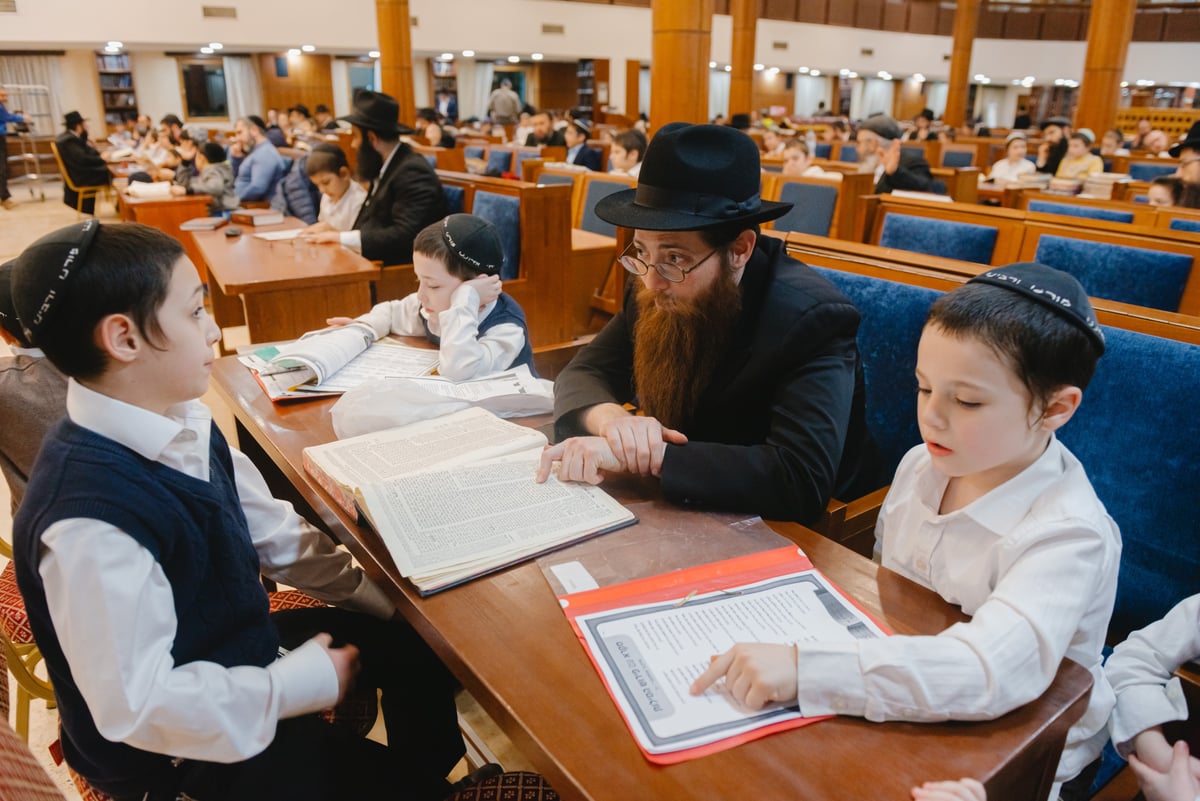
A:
(649, 638)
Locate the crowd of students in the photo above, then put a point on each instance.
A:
(140, 534)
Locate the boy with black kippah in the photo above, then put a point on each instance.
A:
(138, 551)
(459, 306)
(994, 514)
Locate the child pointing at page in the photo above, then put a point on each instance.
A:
(993, 513)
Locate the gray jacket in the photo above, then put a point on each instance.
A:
(216, 180)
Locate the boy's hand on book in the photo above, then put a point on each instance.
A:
(345, 663)
(640, 442)
(1177, 783)
(755, 674)
(581, 459)
(488, 288)
(964, 790)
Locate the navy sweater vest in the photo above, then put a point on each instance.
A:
(506, 310)
(197, 533)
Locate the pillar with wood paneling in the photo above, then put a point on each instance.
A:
(679, 61)
(966, 22)
(741, 77)
(395, 55)
(1109, 33)
(633, 87)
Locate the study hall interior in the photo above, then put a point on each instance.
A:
(211, 63)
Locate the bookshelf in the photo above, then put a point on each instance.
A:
(117, 93)
(443, 77)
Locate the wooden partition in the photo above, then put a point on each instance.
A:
(453, 159)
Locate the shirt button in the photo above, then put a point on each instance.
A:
(839, 704)
(922, 565)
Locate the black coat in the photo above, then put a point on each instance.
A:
(782, 425)
(589, 157)
(83, 163)
(406, 199)
(912, 175)
(555, 139)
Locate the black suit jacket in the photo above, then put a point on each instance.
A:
(912, 175)
(556, 139)
(83, 163)
(781, 426)
(406, 199)
(589, 157)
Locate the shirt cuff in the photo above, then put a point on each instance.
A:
(1143, 706)
(830, 680)
(352, 239)
(466, 297)
(307, 681)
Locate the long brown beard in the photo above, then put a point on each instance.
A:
(677, 349)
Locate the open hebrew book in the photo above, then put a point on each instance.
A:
(454, 497)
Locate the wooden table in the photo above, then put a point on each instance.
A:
(506, 639)
(286, 287)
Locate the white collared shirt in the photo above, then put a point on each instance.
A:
(1140, 673)
(342, 213)
(1033, 562)
(113, 609)
(463, 353)
(352, 238)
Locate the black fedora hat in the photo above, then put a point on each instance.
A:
(694, 177)
(1190, 142)
(377, 112)
(71, 119)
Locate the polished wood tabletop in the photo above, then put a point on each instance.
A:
(507, 640)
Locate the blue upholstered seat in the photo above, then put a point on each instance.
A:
(431, 158)
(821, 150)
(499, 160)
(893, 315)
(957, 158)
(849, 152)
(1148, 172)
(773, 167)
(950, 240)
(504, 212)
(473, 151)
(523, 155)
(813, 209)
(913, 150)
(1076, 210)
(1130, 275)
(596, 191)
(454, 198)
(1180, 224)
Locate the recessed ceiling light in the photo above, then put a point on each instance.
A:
(815, 73)
(536, 56)
(115, 44)
(112, 50)
(712, 65)
(728, 68)
(918, 77)
(373, 54)
(758, 67)
(295, 51)
(307, 48)
(513, 59)
(803, 70)
(216, 45)
(446, 56)
(206, 51)
(468, 54)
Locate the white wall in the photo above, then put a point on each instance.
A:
(81, 90)
(156, 78)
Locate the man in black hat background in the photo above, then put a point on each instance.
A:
(405, 194)
(83, 164)
(576, 135)
(742, 362)
(1055, 134)
(880, 152)
(1188, 153)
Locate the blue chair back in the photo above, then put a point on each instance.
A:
(893, 315)
(473, 151)
(945, 238)
(912, 150)
(499, 160)
(504, 212)
(956, 158)
(431, 158)
(454, 198)
(849, 152)
(1143, 465)
(523, 156)
(1180, 224)
(1140, 276)
(772, 167)
(1148, 172)
(597, 191)
(813, 209)
(822, 150)
(1076, 210)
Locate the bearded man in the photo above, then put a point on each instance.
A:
(741, 361)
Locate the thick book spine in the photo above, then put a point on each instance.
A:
(342, 495)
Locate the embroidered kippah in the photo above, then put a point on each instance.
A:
(43, 274)
(475, 241)
(1052, 288)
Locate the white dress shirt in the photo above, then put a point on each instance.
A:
(114, 613)
(463, 353)
(352, 238)
(342, 213)
(1140, 673)
(1033, 562)
(1005, 171)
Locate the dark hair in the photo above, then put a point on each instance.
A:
(431, 243)
(171, 119)
(256, 121)
(720, 237)
(326, 157)
(301, 109)
(631, 140)
(321, 109)
(213, 153)
(1044, 350)
(796, 143)
(126, 271)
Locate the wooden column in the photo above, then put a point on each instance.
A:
(966, 22)
(633, 87)
(1109, 32)
(679, 61)
(395, 55)
(741, 78)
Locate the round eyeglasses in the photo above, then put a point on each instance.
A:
(670, 272)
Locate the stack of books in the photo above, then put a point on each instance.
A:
(1102, 185)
